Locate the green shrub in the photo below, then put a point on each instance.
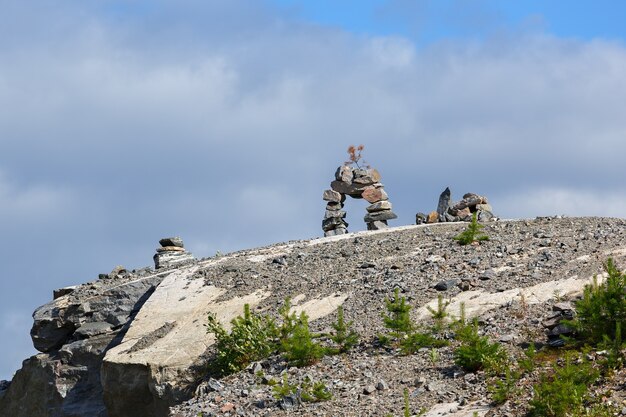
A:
(476, 352)
(439, 315)
(503, 388)
(308, 390)
(602, 310)
(414, 341)
(563, 392)
(251, 338)
(314, 392)
(472, 233)
(527, 363)
(343, 336)
(398, 318)
(283, 389)
(298, 346)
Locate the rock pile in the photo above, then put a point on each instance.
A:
(553, 325)
(171, 253)
(459, 211)
(356, 183)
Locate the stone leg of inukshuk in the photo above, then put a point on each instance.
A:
(357, 183)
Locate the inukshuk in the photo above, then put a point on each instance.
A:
(356, 183)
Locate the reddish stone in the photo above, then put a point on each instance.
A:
(374, 195)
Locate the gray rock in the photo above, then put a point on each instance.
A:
(60, 292)
(337, 231)
(92, 329)
(446, 284)
(118, 272)
(379, 206)
(334, 206)
(487, 275)
(560, 329)
(333, 196)
(289, 402)
(344, 174)
(333, 223)
(379, 216)
(377, 225)
(421, 218)
(382, 385)
(370, 389)
(170, 259)
(444, 201)
(172, 241)
(334, 213)
(564, 307)
(351, 189)
(4, 386)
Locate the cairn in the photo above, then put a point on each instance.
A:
(461, 211)
(356, 183)
(172, 252)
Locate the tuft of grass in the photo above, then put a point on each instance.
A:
(472, 233)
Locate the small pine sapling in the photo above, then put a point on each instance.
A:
(344, 336)
(398, 318)
(472, 233)
(439, 315)
(299, 347)
(407, 409)
(251, 338)
(477, 352)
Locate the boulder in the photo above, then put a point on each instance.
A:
(433, 217)
(421, 218)
(75, 330)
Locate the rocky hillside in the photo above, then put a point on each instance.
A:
(133, 343)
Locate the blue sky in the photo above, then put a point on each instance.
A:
(223, 121)
(425, 21)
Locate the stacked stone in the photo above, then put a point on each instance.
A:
(460, 211)
(171, 253)
(356, 183)
(334, 223)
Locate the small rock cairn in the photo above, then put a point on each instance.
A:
(457, 212)
(172, 252)
(356, 183)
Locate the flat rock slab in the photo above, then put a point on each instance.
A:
(152, 367)
(454, 410)
(479, 302)
(163, 342)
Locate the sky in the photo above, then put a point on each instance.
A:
(222, 122)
